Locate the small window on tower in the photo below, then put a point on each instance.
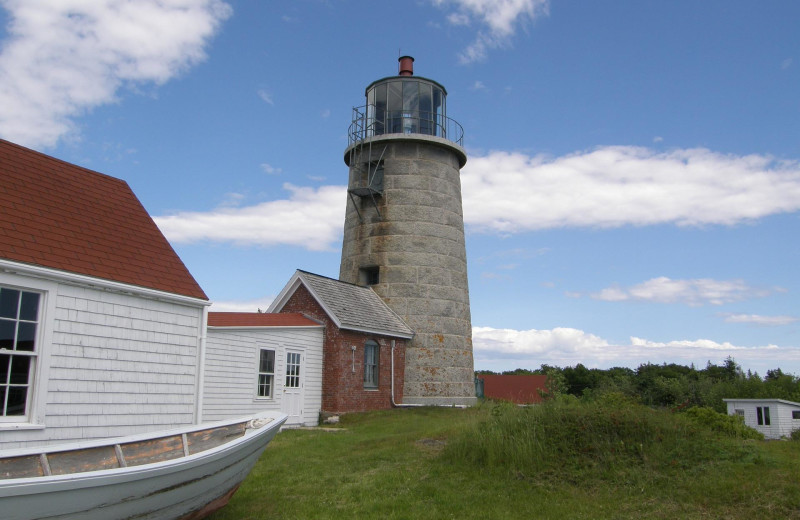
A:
(368, 275)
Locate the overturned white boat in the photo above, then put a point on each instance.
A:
(186, 473)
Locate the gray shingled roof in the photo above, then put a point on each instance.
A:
(354, 307)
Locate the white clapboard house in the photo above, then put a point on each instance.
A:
(103, 330)
(259, 361)
(100, 322)
(775, 418)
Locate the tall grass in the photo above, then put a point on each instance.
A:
(562, 460)
(603, 440)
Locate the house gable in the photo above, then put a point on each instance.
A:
(61, 216)
(343, 388)
(349, 306)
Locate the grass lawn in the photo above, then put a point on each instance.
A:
(482, 463)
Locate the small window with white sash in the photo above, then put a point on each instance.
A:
(266, 373)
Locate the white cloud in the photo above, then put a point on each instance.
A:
(756, 319)
(690, 292)
(269, 169)
(499, 19)
(506, 349)
(786, 64)
(310, 218)
(624, 185)
(479, 85)
(265, 96)
(241, 306)
(64, 57)
(510, 192)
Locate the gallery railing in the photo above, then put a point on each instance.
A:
(368, 121)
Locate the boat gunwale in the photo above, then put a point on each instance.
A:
(112, 476)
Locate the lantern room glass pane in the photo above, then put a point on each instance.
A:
(425, 109)
(380, 109)
(394, 107)
(438, 110)
(410, 107)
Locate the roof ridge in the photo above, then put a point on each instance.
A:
(68, 164)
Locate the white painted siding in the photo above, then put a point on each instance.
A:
(780, 412)
(231, 370)
(111, 364)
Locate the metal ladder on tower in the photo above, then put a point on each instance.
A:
(368, 169)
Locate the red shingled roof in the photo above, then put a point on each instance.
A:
(520, 389)
(259, 319)
(59, 215)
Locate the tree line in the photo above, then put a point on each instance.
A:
(669, 385)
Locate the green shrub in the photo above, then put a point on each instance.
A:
(730, 425)
(795, 436)
(595, 439)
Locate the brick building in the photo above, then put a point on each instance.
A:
(364, 341)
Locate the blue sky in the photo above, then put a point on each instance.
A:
(632, 191)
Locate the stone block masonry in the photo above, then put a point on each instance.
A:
(414, 235)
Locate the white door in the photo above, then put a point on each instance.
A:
(292, 400)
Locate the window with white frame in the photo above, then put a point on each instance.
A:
(266, 373)
(371, 361)
(19, 325)
(292, 370)
(762, 415)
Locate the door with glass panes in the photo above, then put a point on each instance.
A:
(292, 399)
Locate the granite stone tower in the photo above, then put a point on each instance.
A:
(404, 228)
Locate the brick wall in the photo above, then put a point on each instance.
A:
(343, 369)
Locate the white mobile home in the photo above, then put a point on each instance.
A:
(260, 361)
(101, 324)
(775, 418)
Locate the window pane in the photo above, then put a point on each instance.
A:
(265, 385)
(9, 299)
(7, 329)
(3, 400)
(371, 364)
(16, 400)
(766, 415)
(759, 416)
(29, 310)
(267, 363)
(20, 366)
(5, 362)
(26, 336)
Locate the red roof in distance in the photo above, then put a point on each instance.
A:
(519, 389)
(62, 216)
(259, 319)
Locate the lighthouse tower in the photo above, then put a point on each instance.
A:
(404, 228)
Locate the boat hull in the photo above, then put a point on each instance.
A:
(185, 488)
